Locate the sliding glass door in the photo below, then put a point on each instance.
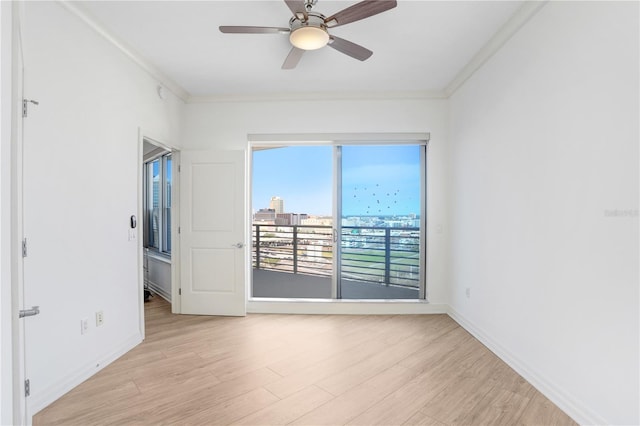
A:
(380, 221)
(293, 238)
(338, 221)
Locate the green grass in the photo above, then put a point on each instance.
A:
(377, 256)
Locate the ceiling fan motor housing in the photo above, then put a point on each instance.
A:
(310, 33)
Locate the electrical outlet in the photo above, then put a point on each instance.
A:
(468, 292)
(99, 318)
(84, 325)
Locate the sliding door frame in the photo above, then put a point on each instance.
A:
(337, 140)
(422, 291)
(336, 288)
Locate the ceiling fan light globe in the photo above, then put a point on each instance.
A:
(309, 38)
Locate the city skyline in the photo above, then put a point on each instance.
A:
(378, 180)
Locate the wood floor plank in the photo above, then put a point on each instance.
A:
(71, 407)
(172, 405)
(353, 331)
(357, 400)
(190, 404)
(287, 410)
(232, 410)
(397, 407)
(154, 404)
(421, 419)
(303, 370)
(541, 411)
(343, 358)
(463, 393)
(164, 379)
(273, 348)
(130, 361)
(497, 373)
(440, 347)
(125, 411)
(353, 375)
(497, 407)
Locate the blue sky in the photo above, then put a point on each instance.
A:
(380, 180)
(377, 180)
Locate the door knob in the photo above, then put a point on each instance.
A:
(238, 245)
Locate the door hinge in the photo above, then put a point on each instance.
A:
(178, 229)
(24, 247)
(25, 106)
(179, 168)
(35, 310)
(27, 388)
(180, 291)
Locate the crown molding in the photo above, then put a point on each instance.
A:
(131, 53)
(318, 96)
(511, 27)
(495, 43)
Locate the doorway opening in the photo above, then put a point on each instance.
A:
(156, 220)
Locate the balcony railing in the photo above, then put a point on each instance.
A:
(389, 256)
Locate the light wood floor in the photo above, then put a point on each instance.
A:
(304, 370)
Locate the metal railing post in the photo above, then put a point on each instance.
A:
(257, 246)
(295, 249)
(387, 256)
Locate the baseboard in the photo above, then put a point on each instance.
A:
(574, 409)
(159, 291)
(343, 307)
(35, 403)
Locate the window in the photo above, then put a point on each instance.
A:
(157, 204)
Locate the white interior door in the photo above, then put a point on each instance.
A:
(212, 232)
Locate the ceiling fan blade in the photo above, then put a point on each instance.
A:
(252, 30)
(292, 58)
(359, 11)
(297, 8)
(349, 48)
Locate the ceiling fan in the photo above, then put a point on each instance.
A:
(308, 29)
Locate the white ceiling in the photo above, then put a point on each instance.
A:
(418, 46)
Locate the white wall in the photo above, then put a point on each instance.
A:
(544, 147)
(226, 125)
(81, 186)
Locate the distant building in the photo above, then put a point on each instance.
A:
(277, 204)
(265, 217)
(290, 218)
(395, 224)
(317, 221)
